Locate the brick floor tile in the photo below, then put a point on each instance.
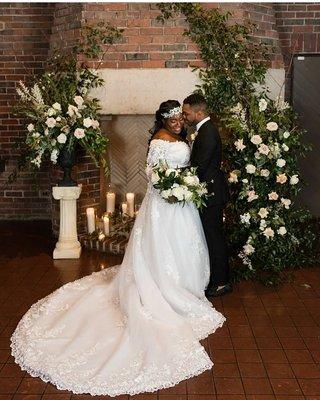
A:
(306, 370)
(252, 370)
(248, 356)
(310, 387)
(228, 386)
(285, 386)
(257, 386)
(279, 370)
(9, 385)
(299, 356)
(273, 356)
(224, 370)
(31, 386)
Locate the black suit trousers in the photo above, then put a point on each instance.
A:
(212, 222)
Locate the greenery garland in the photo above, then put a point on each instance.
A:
(261, 150)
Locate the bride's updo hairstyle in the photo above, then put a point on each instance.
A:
(159, 122)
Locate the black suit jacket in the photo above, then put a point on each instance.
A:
(206, 156)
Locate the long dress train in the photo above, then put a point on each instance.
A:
(135, 327)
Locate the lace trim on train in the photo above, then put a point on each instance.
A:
(188, 359)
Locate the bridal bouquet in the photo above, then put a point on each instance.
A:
(179, 185)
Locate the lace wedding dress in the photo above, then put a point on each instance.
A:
(135, 327)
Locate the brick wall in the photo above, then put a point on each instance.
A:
(24, 34)
(298, 25)
(148, 43)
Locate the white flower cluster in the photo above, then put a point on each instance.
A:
(58, 127)
(264, 157)
(178, 185)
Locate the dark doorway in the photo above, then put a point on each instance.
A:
(306, 102)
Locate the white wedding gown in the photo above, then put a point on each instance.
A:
(135, 327)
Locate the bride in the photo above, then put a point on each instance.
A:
(135, 327)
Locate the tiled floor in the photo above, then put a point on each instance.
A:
(269, 348)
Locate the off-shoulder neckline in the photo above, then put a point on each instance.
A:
(169, 141)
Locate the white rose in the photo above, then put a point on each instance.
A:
(239, 145)
(248, 249)
(54, 156)
(281, 162)
(285, 147)
(191, 180)
(233, 177)
(286, 134)
(268, 232)
(46, 132)
(251, 196)
(95, 124)
(264, 149)
(262, 105)
(166, 193)
(294, 180)
(282, 178)
(285, 202)
(265, 173)
(272, 126)
(78, 100)
(73, 110)
(256, 139)
(273, 196)
(58, 119)
(178, 192)
(51, 112)
(245, 218)
(62, 138)
(87, 122)
(51, 122)
(171, 170)
(30, 127)
(257, 155)
(263, 212)
(79, 133)
(36, 135)
(56, 106)
(282, 230)
(155, 177)
(245, 180)
(251, 169)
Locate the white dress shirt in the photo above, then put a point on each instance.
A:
(199, 124)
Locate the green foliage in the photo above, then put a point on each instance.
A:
(262, 148)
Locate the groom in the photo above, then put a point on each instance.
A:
(206, 156)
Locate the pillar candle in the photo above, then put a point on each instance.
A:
(90, 220)
(124, 208)
(111, 201)
(106, 225)
(130, 202)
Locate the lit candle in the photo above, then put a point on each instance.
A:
(111, 202)
(124, 207)
(130, 202)
(106, 225)
(90, 220)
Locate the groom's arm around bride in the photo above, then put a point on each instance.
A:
(206, 156)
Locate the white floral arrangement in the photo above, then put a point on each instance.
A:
(179, 185)
(265, 179)
(56, 125)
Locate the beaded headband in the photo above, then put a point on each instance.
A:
(172, 112)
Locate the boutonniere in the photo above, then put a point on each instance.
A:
(193, 136)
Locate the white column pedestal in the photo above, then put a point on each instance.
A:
(68, 245)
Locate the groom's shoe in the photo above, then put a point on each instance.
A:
(217, 292)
